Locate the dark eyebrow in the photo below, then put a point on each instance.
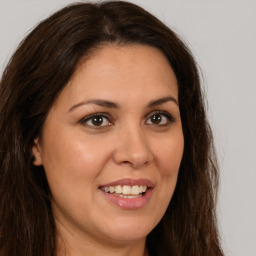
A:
(161, 101)
(110, 104)
(99, 102)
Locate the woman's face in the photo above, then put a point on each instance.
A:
(112, 145)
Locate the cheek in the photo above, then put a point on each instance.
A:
(168, 159)
(169, 155)
(73, 153)
(72, 167)
(72, 164)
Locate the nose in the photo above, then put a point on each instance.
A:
(132, 148)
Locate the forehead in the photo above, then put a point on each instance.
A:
(114, 60)
(114, 72)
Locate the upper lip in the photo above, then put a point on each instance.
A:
(130, 182)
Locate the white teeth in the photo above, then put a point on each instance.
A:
(126, 196)
(135, 190)
(119, 189)
(106, 189)
(125, 191)
(111, 189)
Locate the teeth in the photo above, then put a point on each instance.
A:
(144, 188)
(126, 196)
(111, 189)
(119, 189)
(125, 191)
(135, 190)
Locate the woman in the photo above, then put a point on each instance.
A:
(105, 144)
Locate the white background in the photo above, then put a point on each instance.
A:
(222, 36)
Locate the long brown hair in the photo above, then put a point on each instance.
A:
(38, 71)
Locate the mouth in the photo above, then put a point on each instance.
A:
(126, 191)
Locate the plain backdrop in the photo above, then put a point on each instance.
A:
(222, 37)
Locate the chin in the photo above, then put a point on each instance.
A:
(130, 230)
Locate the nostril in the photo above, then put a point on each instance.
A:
(126, 162)
(135, 164)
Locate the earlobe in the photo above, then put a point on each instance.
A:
(36, 152)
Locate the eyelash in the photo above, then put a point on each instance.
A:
(90, 118)
(168, 116)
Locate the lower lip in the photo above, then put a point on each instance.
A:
(129, 203)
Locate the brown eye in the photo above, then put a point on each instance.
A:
(161, 118)
(96, 120)
(156, 119)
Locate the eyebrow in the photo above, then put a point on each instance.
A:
(162, 101)
(110, 104)
(99, 102)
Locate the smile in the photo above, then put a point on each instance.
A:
(126, 191)
(128, 194)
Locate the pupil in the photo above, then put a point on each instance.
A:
(97, 120)
(156, 119)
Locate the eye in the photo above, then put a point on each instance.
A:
(96, 121)
(160, 118)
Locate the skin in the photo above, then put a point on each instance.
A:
(79, 156)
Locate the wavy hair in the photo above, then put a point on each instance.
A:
(34, 77)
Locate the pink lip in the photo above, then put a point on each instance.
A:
(130, 182)
(129, 203)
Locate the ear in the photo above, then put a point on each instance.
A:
(36, 152)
